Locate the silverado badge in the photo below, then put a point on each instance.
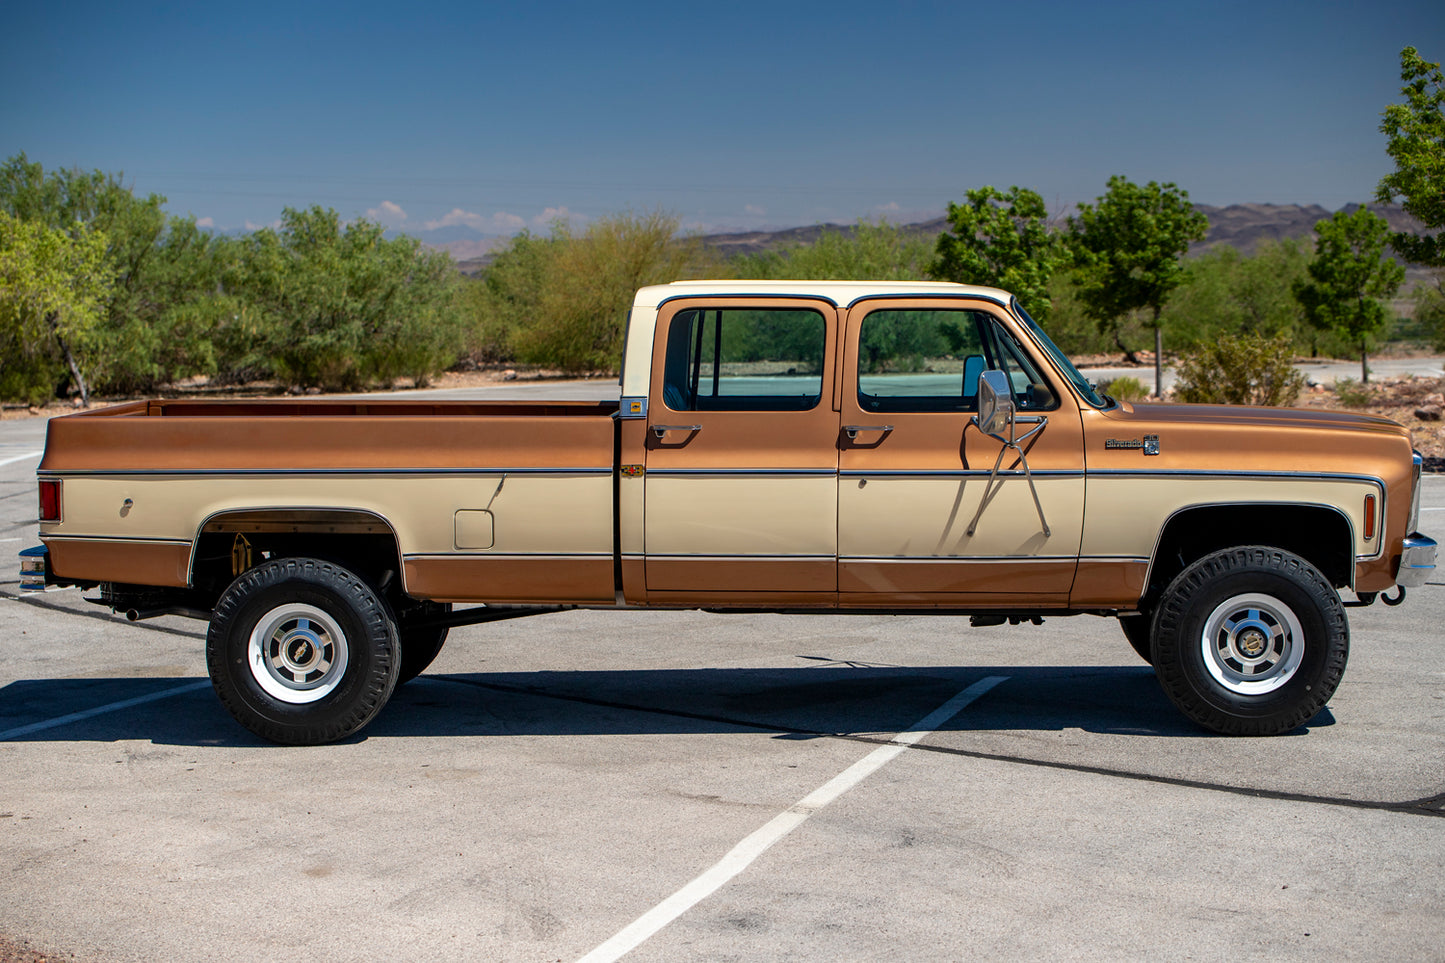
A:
(1150, 444)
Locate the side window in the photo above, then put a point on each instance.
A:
(744, 359)
(1030, 390)
(920, 360)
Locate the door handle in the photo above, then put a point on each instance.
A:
(852, 430)
(661, 430)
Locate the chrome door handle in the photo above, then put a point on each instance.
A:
(852, 430)
(661, 430)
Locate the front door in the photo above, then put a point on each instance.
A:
(741, 489)
(915, 469)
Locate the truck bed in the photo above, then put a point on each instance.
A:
(223, 436)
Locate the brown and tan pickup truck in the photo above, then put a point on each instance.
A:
(782, 446)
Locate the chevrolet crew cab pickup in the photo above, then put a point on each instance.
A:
(831, 447)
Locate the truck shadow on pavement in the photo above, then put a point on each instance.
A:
(792, 703)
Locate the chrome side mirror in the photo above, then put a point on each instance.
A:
(995, 402)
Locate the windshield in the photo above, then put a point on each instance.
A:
(1060, 359)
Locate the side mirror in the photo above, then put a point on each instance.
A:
(995, 402)
(973, 366)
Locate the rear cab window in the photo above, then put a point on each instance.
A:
(744, 359)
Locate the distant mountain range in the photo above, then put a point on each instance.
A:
(1241, 226)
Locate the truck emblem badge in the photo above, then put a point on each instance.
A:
(1150, 444)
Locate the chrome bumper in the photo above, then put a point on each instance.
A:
(1417, 561)
(34, 563)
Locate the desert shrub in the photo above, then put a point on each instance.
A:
(1240, 370)
(1430, 310)
(867, 252)
(338, 306)
(1353, 394)
(560, 301)
(1127, 388)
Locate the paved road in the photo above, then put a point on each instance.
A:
(1323, 373)
(551, 782)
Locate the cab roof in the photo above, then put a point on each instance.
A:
(841, 293)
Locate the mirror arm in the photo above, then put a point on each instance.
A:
(1015, 442)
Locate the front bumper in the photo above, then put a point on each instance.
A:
(1417, 560)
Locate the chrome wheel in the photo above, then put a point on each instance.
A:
(297, 653)
(1252, 644)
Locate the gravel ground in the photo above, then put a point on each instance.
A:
(12, 951)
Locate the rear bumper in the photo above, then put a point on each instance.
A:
(34, 569)
(1417, 560)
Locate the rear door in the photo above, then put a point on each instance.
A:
(741, 491)
(915, 470)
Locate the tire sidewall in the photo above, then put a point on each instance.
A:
(371, 639)
(1179, 623)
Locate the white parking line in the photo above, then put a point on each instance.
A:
(742, 855)
(14, 458)
(101, 710)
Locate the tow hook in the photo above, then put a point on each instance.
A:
(1397, 599)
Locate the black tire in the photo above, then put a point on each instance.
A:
(1250, 641)
(302, 652)
(421, 645)
(1137, 631)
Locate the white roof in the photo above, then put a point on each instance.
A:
(839, 292)
(642, 325)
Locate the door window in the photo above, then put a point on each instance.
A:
(744, 359)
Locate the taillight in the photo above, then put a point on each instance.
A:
(1369, 517)
(50, 501)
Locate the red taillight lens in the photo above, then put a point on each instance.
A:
(1369, 517)
(50, 501)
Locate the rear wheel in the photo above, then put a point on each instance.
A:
(1250, 641)
(302, 651)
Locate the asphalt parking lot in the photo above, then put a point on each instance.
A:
(686, 786)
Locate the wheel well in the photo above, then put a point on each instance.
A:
(1319, 534)
(231, 542)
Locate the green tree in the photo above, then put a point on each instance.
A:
(1350, 277)
(1416, 132)
(1226, 292)
(1003, 241)
(560, 301)
(156, 321)
(52, 288)
(339, 306)
(869, 251)
(1127, 249)
(1430, 308)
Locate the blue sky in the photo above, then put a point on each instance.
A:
(481, 118)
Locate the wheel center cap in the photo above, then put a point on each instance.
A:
(1252, 642)
(300, 651)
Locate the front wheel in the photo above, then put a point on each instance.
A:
(302, 652)
(1250, 641)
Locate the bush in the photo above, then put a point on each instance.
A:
(1127, 388)
(867, 252)
(1240, 370)
(337, 306)
(1353, 394)
(560, 301)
